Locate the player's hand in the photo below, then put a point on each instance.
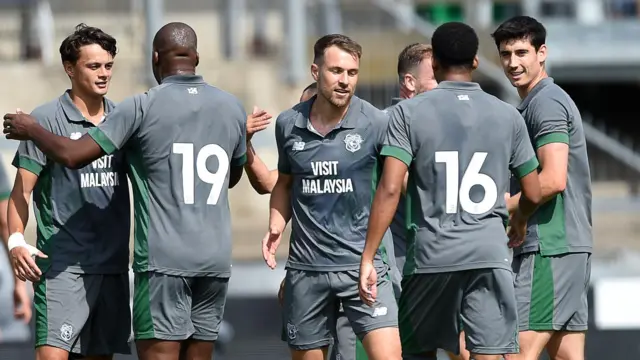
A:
(16, 126)
(22, 302)
(257, 121)
(517, 229)
(281, 293)
(270, 244)
(368, 286)
(24, 266)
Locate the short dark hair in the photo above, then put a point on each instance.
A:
(82, 36)
(343, 42)
(455, 44)
(411, 56)
(311, 87)
(521, 28)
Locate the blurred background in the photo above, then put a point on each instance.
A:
(260, 50)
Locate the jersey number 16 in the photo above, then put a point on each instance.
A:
(471, 177)
(216, 179)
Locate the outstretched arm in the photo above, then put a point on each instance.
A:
(261, 178)
(385, 204)
(73, 154)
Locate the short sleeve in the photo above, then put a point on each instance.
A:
(381, 124)
(284, 166)
(29, 156)
(397, 141)
(523, 159)
(5, 184)
(240, 153)
(118, 127)
(550, 122)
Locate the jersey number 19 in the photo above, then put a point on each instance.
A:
(216, 179)
(471, 177)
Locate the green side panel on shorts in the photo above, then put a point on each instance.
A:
(412, 228)
(140, 187)
(142, 320)
(45, 228)
(40, 307)
(375, 180)
(542, 294)
(360, 353)
(552, 231)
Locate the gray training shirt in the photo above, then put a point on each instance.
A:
(181, 138)
(459, 143)
(334, 177)
(399, 225)
(562, 224)
(83, 215)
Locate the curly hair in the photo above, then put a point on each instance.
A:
(82, 36)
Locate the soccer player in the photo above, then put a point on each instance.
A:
(415, 75)
(457, 268)
(553, 265)
(80, 272)
(328, 152)
(185, 142)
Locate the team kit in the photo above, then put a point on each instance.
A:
(449, 221)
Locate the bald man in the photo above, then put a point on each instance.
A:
(185, 141)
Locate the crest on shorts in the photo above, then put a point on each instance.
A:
(353, 142)
(292, 331)
(66, 332)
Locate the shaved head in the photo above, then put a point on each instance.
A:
(176, 35)
(175, 50)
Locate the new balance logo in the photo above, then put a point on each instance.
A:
(379, 311)
(463, 97)
(298, 145)
(192, 91)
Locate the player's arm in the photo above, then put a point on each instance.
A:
(17, 218)
(261, 178)
(551, 141)
(398, 155)
(280, 202)
(73, 154)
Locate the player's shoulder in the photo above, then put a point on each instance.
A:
(47, 112)
(370, 113)
(288, 118)
(551, 94)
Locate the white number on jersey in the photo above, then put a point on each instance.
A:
(216, 179)
(470, 178)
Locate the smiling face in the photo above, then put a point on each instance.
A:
(336, 75)
(522, 63)
(91, 74)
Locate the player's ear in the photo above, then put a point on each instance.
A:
(68, 68)
(542, 54)
(409, 82)
(197, 59)
(315, 69)
(476, 62)
(155, 58)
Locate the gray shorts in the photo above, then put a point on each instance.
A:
(86, 314)
(346, 346)
(552, 291)
(312, 300)
(174, 308)
(433, 307)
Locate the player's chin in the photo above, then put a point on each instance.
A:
(101, 89)
(341, 101)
